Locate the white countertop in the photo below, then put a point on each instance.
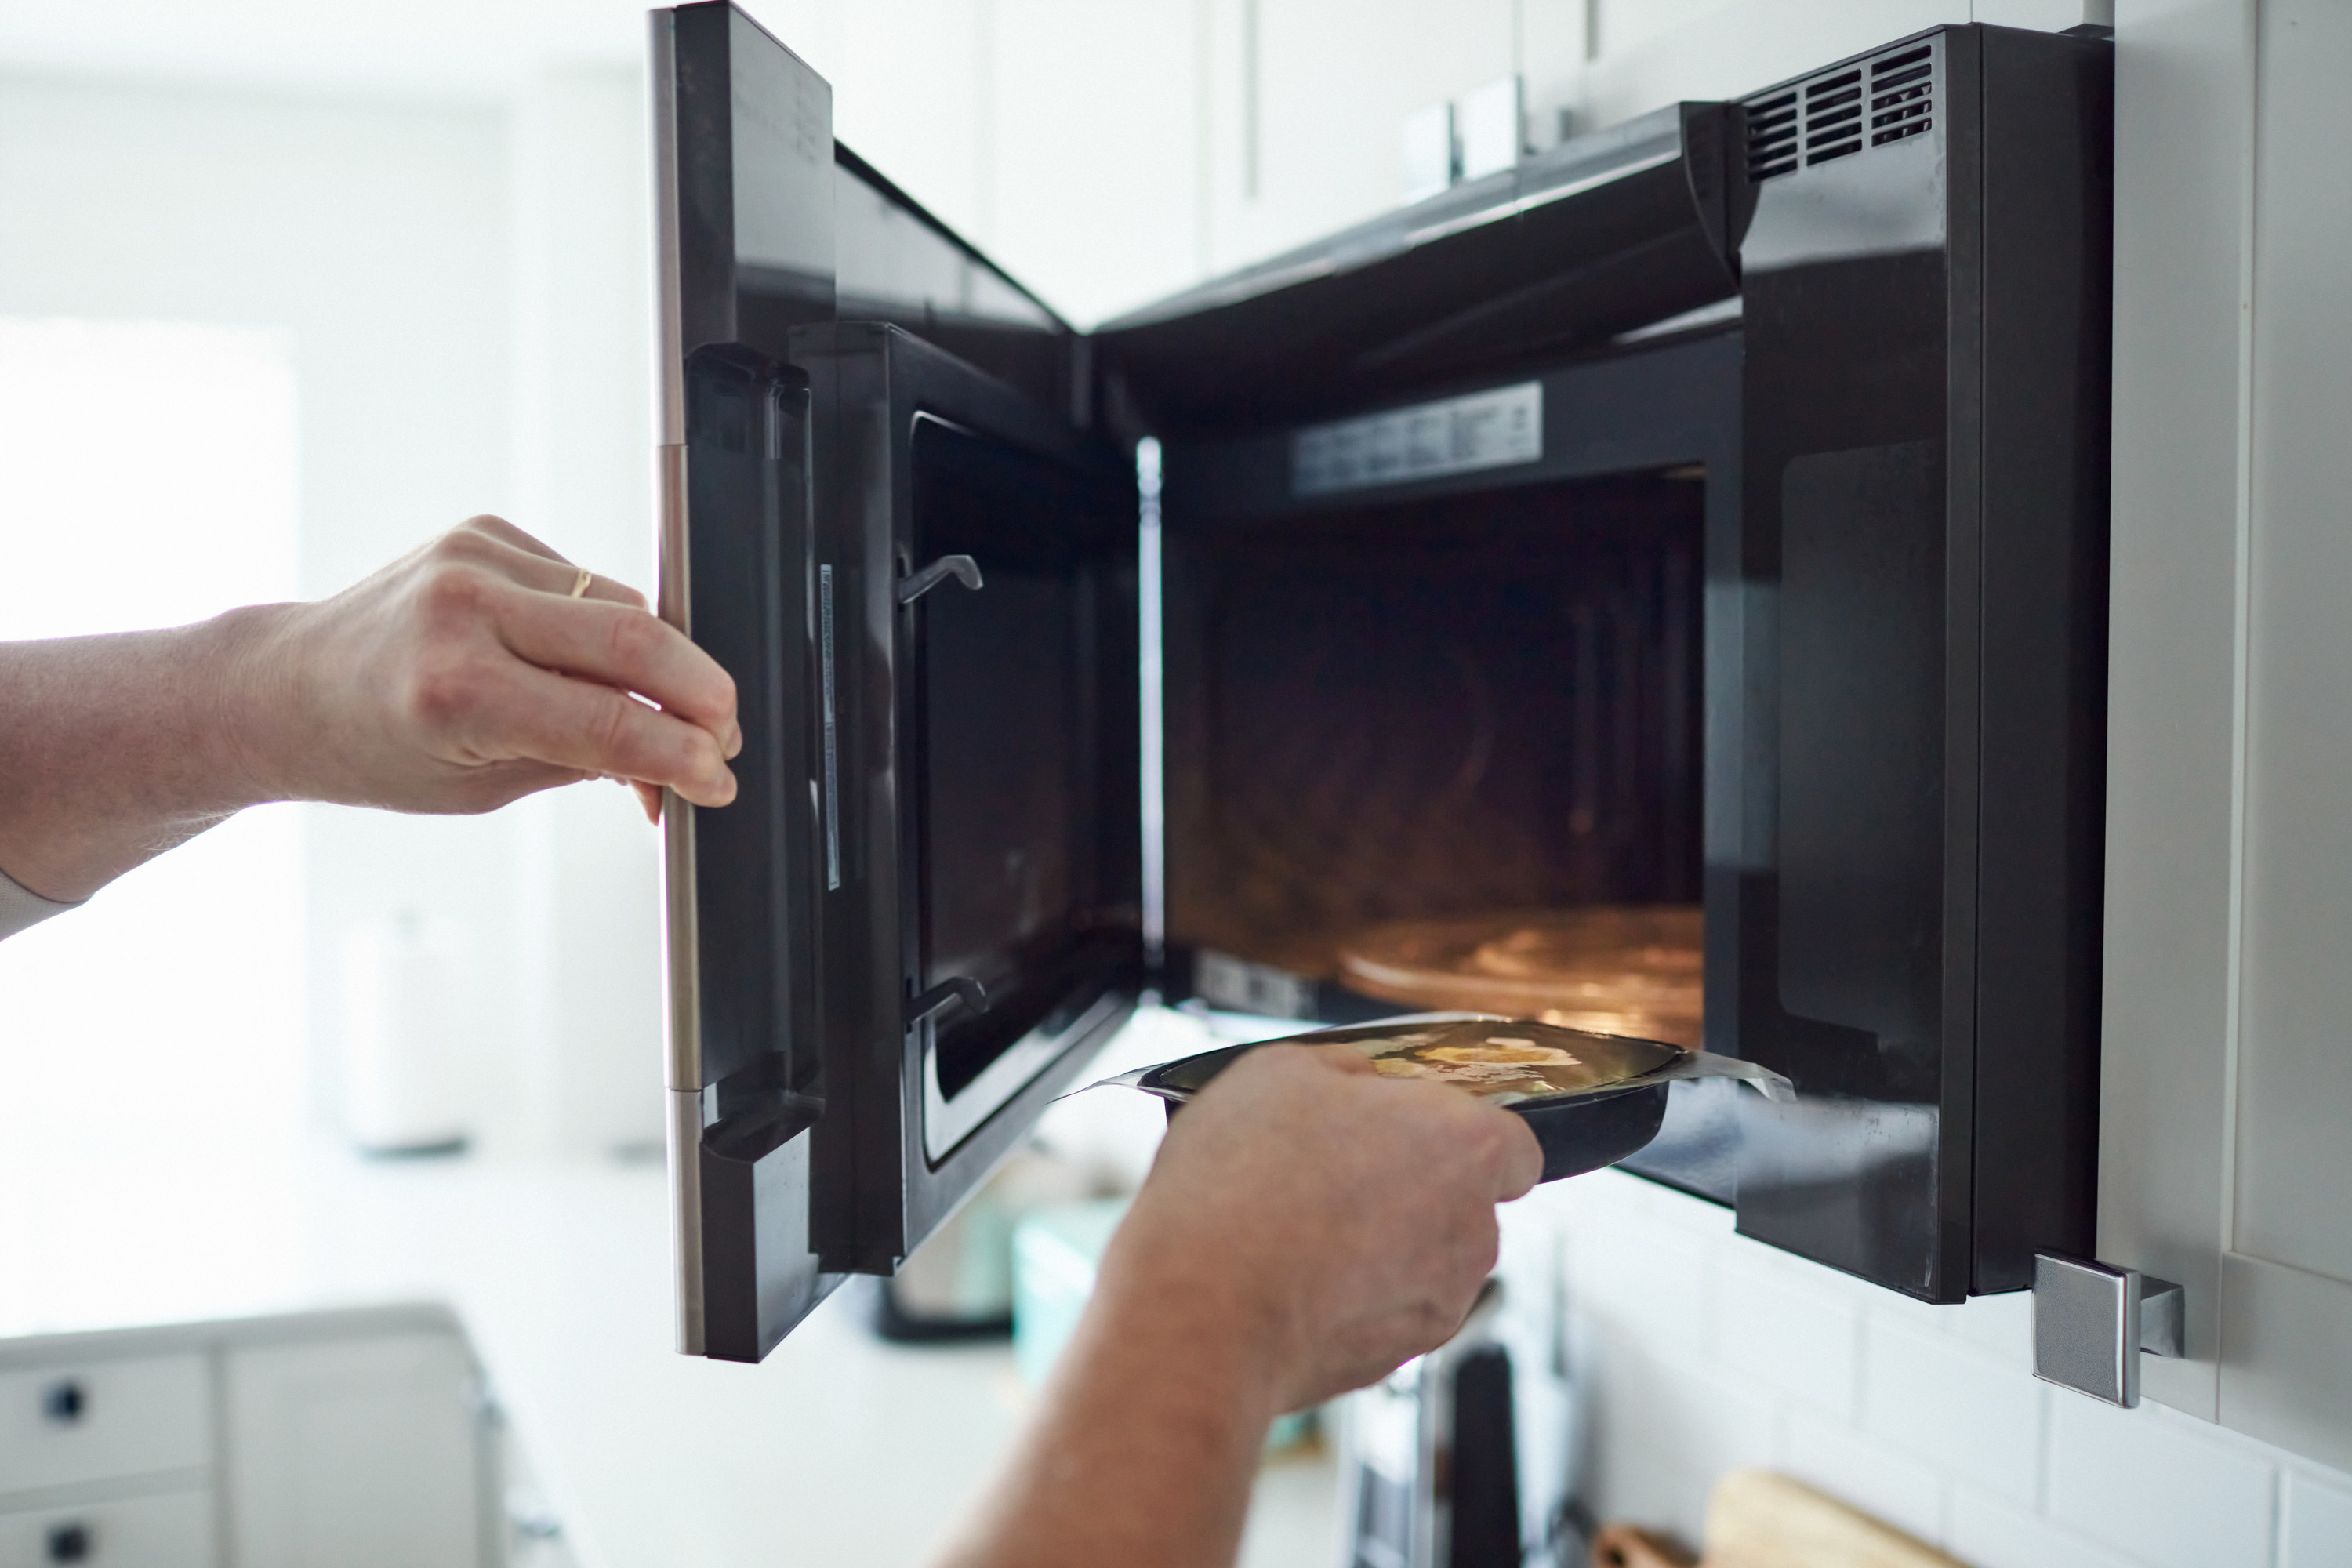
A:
(838, 1448)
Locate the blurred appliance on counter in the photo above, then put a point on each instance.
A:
(1466, 1457)
(1057, 1252)
(1659, 582)
(407, 1066)
(959, 1283)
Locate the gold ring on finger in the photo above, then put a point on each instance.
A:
(580, 584)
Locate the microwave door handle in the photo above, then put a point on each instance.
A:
(948, 995)
(963, 568)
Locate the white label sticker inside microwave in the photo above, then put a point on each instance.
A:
(1455, 435)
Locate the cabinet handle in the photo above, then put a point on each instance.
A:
(70, 1543)
(63, 1403)
(2092, 1323)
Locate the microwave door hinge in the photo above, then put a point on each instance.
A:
(948, 995)
(963, 568)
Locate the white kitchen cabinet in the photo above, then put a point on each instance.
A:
(2226, 1109)
(102, 1417)
(168, 1530)
(1093, 159)
(358, 1437)
(106, 1453)
(1311, 127)
(366, 1453)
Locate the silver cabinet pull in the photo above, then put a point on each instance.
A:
(963, 568)
(2092, 1323)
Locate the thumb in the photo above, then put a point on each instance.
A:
(1344, 1059)
(1520, 1160)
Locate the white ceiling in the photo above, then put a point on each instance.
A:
(454, 46)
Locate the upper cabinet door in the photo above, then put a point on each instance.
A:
(2225, 1086)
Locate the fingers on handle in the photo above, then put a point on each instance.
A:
(553, 718)
(622, 648)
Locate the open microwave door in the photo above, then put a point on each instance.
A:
(922, 912)
(979, 856)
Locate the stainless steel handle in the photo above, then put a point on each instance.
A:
(963, 568)
(2092, 1323)
(947, 995)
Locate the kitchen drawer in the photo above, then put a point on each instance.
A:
(174, 1529)
(94, 1420)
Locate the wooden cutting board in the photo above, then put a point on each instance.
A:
(1758, 1520)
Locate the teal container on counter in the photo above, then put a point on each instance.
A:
(1057, 1249)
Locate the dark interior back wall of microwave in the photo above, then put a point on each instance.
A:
(1434, 707)
(1614, 424)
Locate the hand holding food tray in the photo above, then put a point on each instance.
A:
(1591, 1099)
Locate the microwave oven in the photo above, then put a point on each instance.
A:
(1660, 587)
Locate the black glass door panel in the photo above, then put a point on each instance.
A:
(1000, 676)
(977, 556)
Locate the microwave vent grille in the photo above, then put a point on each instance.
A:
(1884, 100)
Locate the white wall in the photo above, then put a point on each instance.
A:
(466, 286)
(586, 1063)
(376, 232)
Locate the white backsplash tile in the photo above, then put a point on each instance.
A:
(1985, 1532)
(1940, 1397)
(1797, 1336)
(2158, 1489)
(1669, 1430)
(1655, 1279)
(1873, 1477)
(2316, 1524)
(2002, 1326)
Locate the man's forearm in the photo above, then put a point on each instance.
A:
(469, 673)
(1145, 1451)
(113, 749)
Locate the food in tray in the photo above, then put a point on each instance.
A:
(1617, 969)
(1506, 1060)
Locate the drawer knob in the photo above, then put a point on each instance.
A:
(64, 1403)
(69, 1544)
